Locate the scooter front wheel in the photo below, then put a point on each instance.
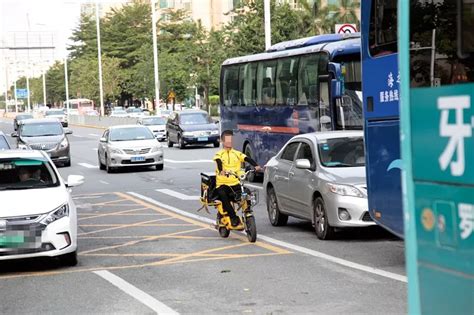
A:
(251, 229)
(224, 232)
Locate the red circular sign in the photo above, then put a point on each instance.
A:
(346, 28)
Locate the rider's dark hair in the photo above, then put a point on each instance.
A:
(226, 133)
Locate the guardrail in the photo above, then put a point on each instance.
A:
(101, 122)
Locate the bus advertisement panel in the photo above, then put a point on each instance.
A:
(301, 86)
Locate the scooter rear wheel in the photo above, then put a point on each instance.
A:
(251, 229)
(224, 232)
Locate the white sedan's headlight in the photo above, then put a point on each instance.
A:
(63, 144)
(57, 214)
(116, 151)
(156, 148)
(214, 132)
(188, 134)
(345, 190)
(22, 146)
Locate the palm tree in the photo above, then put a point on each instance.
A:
(346, 12)
(325, 17)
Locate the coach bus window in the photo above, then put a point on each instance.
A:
(231, 86)
(383, 28)
(247, 84)
(287, 75)
(266, 83)
(308, 80)
(447, 67)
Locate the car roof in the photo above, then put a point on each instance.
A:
(39, 120)
(191, 111)
(323, 135)
(126, 126)
(21, 154)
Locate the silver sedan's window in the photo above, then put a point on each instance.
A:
(289, 152)
(342, 152)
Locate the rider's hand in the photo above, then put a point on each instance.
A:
(223, 173)
(258, 168)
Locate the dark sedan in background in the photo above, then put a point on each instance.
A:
(19, 118)
(45, 134)
(191, 127)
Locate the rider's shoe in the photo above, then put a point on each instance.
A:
(235, 222)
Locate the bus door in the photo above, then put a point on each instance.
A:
(437, 116)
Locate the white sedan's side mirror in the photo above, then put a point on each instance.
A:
(74, 180)
(304, 164)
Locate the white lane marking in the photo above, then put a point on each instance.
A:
(78, 136)
(87, 165)
(95, 149)
(304, 250)
(103, 182)
(253, 186)
(177, 194)
(136, 293)
(186, 162)
(94, 135)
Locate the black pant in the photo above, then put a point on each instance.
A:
(226, 195)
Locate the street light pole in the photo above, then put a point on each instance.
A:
(44, 88)
(155, 54)
(66, 80)
(99, 57)
(268, 33)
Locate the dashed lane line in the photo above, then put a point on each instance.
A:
(177, 194)
(139, 295)
(314, 253)
(87, 165)
(188, 162)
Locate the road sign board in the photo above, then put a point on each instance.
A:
(21, 93)
(171, 94)
(346, 28)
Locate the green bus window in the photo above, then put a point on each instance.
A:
(286, 82)
(383, 28)
(308, 80)
(231, 86)
(266, 82)
(434, 58)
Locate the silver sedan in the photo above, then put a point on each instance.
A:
(129, 145)
(319, 177)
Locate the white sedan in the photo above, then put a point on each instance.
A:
(156, 124)
(38, 216)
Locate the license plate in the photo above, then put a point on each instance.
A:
(138, 158)
(11, 240)
(203, 139)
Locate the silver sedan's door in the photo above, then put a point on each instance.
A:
(301, 183)
(103, 147)
(280, 177)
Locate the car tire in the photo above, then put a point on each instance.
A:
(274, 215)
(182, 145)
(101, 165)
(170, 143)
(69, 259)
(323, 230)
(108, 168)
(159, 167)
(216, 144)
(68, 162)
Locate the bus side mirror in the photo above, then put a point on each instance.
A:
(336, 88)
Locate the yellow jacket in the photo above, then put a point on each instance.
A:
(232, 162)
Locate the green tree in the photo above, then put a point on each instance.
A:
(55, 84)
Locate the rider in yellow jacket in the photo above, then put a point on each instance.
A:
(229, 160)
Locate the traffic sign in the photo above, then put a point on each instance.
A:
(21, 93)
(346, 28)
(171, 94)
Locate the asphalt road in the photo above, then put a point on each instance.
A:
(143, 248)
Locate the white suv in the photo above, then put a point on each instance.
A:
(38, 216)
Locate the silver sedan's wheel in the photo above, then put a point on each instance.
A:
(276, 217)
(321, 225)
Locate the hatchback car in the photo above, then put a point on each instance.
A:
(4, 144)
(19, 118)
(45, 134)
(129, 145)
(191, 127)
(59, 114)
(38, 215)
(156, 124)
(319, 177)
